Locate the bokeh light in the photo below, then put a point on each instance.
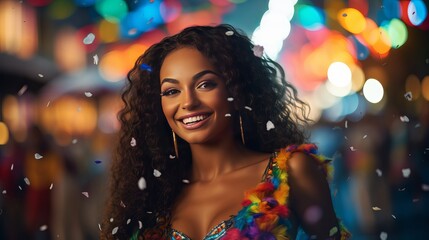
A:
(108, 31)
(360, 5)
(310, 17)
(391, 9)
(417, 12)
(397, 32)
(61, 9)
(373, 90)
(425, 87)
(112, 10)
(352, 20)
(4, 133)
(412, 84)
(339, 74)
(170, 10)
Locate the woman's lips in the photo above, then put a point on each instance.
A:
(195, 125)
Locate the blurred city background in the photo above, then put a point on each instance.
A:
(362, 65)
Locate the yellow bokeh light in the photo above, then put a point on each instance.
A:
(425, 88)
(383, 43)
(4, 133)
(108, 31)
(352, 20)
(370, 32)
(132, 53)
(412, 84)
(358, 77)
(113, 67)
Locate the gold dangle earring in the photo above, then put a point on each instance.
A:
(176, 150)
(241, 130)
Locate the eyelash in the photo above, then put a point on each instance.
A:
(170, 92)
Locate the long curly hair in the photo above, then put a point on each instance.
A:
(260, 92)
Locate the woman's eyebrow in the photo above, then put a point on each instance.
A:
(194, 78)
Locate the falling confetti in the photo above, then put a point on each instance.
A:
(145, 67)
(40, 75)
(149, 212)
(140, 225)
(345, 124)
(248, 108)
(353, 149)
(376, 208)
(95, 57)
(98, 161)
(49, 102)
(425, 187)
(345, 137)
(333, 231)
(270, 125)
(50, 187)
(128, 221)
(142, 183)
(408, 96)
(74, 141)
(86, 194)
(383, 236)
(115, 230)
(4, 192)
(230, 99)
(416, 199)
(417, 125)
(401, 189)
(394, 216)
(99, 226)
(406, 172)
(111, 219)
(133, 142)
(22, 90)
(20, 188)
(149, 21)
(156, 173)
(228, 115)
(27, 181)
(123, 204)
(404, 119)
(185, 181)
(88, 94)
(89, 39)
(258, 51)
(229, 33)
(379, 172)
(11, 167)
(172, 156)
(43, 227)
(365, 136)
(38, 156)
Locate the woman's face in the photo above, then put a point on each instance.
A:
(194, 97)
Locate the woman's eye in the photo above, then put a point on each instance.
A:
(207, 85)
(169, 92)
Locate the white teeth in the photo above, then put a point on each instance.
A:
(193, 119)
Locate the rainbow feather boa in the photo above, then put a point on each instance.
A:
(265, 212)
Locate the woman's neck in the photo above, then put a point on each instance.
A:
(212, 161)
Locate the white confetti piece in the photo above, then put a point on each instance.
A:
(43, 227)
(95, 57)
(406, 172)
(408, 96)
(149, 212)
(50, 187)
(20, 188)
(394, 216)
(111, 219)
(22, 90)
(376, 208)
(27, 181)
(416, 199)
(132, 31)
(74, 141)
(88, 94)
(229, 33)
(345, 124)
(142, 183)
(401, 189)
(425, 187)
(248, 108)
(404, 119)
(99, 227)
(11, 167)
(365, 136)
(228, 115)
(185, 181)
(140, 225)
(114, 230)
(270, 125)
(133, 142)
(379, 172)
(172, 156)
(38, 156)
(333, 231)
(345, 137)
(353, 149)
(40, 75)
(417, 125)
(89, 39)
(123, 204)
(86, 194)
(128, 221)
(156, 173)
(383, 235)
(4, 192)
(258, 50)
(230, 99)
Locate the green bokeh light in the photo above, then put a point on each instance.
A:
(112, 10)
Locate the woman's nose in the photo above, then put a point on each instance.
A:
(190, 100)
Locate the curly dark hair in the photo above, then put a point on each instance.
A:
(260, 93)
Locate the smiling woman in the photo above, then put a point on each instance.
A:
(217, 149)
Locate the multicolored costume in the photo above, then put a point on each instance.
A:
(265, 212)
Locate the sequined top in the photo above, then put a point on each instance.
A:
(265, 212)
